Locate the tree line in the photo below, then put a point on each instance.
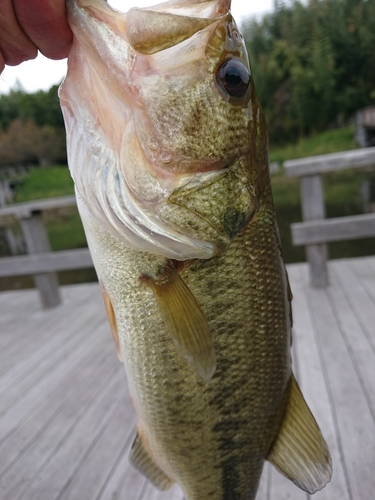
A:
(313, 64)
(31, 127)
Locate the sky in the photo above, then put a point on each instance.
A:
(42, 73)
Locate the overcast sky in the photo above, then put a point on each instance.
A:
(42, 73)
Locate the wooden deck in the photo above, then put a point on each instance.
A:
(67, 424)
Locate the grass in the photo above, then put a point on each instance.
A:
(45, 183)
(65, 230)
(330, 141)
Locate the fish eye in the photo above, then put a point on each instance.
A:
(234, 78)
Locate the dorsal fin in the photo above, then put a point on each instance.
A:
(300, 452)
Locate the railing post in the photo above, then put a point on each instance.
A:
(37, 241)
(313, 208)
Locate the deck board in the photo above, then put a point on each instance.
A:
(67, 423)
(311, 377)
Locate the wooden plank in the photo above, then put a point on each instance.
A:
(43, 471)
(37, 241)
(97, 466)
(13, 324)
(24, 209)
(52, 480)
(174, 494)
(360, 300)
(335, 229)
(126, 481)
(37, 340)
(21, 339)
(314, 382)
(13, 416)
(26, 380)
(282, 488)
(45, 262)
(33, 335)
(151, 493)
(262, 493)
(49, 423)
(14, 301)
(327, 163)
(317, 257)
(364, 268)
(313, 209)
(356, 340)
(278, 485)
(349, 402)
(39, 431)
(312, 198)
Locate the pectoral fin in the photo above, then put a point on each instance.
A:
(300, 452)
(185, 321)
(142, 461)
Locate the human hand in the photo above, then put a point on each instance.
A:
(27, 26)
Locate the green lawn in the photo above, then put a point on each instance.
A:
(45, 183)
(330, 141)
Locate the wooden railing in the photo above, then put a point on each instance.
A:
(41, 262)
(316, 231)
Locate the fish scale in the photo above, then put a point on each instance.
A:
(167, 145)
(253, 363)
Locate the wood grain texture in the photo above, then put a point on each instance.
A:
(37, 241)
(319, 164)
(45, 262)
(335, 229)
(25, 208)
(313, 209)
(67, 422)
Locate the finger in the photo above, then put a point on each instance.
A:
(2, 62)
(15, 45)
(45, 23)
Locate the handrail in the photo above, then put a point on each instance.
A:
(356, 158)
(40, 261)
(25, 208)
(316, 231)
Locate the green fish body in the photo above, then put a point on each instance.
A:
(167, 146)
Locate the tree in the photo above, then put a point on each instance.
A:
(25, 141)
(31, 127)
(313, 63)
(42, 107)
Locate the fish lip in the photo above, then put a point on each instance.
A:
(193, 8)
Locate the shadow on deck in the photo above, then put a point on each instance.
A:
(67, 423)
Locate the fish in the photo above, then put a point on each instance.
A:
(167, 146)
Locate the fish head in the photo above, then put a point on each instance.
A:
(166, 137)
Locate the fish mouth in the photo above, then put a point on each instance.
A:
(169, 190)
(190, 8)
(168, 23)
(171, 23)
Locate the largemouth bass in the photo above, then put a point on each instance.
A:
(167, 146)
